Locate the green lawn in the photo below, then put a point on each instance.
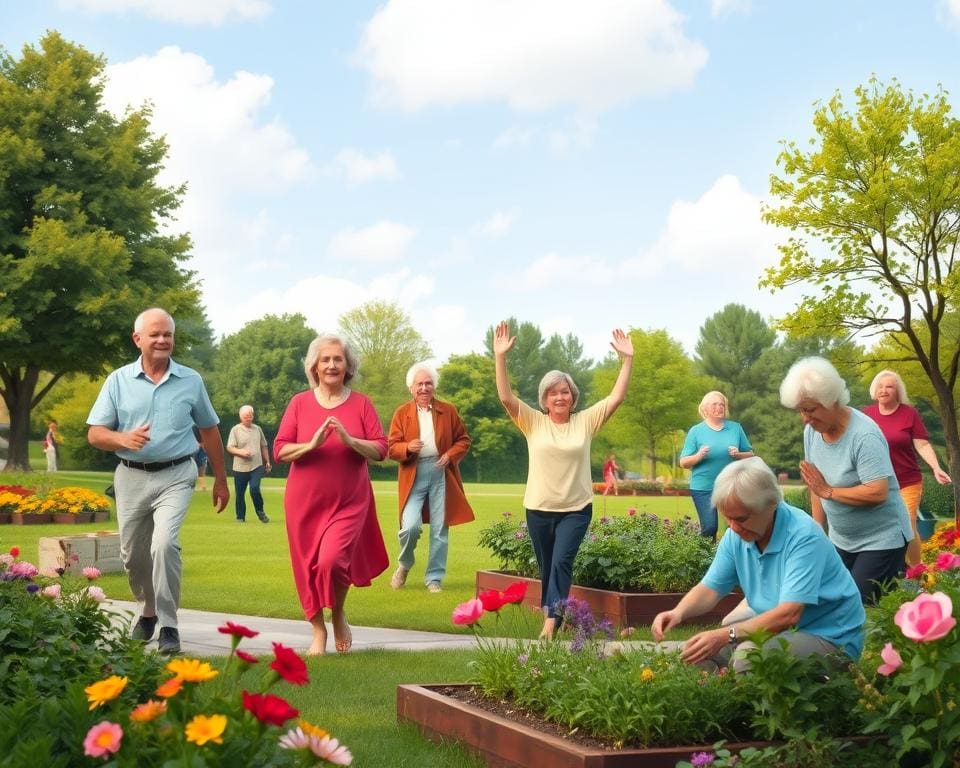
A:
(245, 568)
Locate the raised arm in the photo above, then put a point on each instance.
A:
(502, 343)
(623, 346)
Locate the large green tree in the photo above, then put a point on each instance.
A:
(261, 365)
(387, 344)
(875, 208)
(663, 395)
(81, 250)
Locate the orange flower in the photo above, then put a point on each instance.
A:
(170, 688)
(311, 730)
(202, 729)
(192, 670)
(105, 690)
(148, 711)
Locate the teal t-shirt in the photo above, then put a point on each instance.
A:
(705, 471)
(799, 565)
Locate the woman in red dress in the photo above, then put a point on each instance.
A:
(610, 470)
(328, 434)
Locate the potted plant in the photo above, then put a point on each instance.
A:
(76, 505)
(628, 569)
(10, 498)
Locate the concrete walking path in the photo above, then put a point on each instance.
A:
(199, 635)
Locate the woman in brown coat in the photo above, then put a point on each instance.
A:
(428, 439)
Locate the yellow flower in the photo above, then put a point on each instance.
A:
(647, 675)
(202, 729)
(148, 711)
(105, 690)
(311, 730)
(192, 670)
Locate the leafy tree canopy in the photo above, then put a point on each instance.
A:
(81, 249)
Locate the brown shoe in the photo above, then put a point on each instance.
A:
(399, 577)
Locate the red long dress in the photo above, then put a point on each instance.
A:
(331, 514)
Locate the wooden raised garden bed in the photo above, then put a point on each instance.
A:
(623, 609)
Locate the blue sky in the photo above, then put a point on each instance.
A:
(581, 165)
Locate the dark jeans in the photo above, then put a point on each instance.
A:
(873, 569)
(556, 537)
(706, 512)
(240, 482)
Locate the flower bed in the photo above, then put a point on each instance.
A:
(76, 690)
(25, 506)
(633, 553)
(643, 488)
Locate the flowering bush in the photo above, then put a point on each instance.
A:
(72, 500)
(10, 501)
(203, 716)
(946, 538)
(632, 553)
(912, 697)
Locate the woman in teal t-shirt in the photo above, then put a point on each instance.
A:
(710, 446)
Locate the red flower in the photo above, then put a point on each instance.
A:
(268, 708)
(288, 665)
(236, 630)
(916, 571)
(492, 600)
(249, 658)
(515, 592)
(15, 551)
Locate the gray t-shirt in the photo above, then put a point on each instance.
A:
(252, 440)
(859, 456)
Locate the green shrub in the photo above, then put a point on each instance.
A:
(798, 497)
(937, 500)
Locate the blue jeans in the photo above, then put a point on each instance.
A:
(556, 537)
(706, 512)
(428, 485)
(240, 482)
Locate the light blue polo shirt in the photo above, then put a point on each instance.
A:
(799, 565)
(129, 399)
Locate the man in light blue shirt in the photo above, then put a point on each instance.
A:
(145, 413)
(788, 570)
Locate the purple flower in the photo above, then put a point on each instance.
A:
(33, 588)
(519, 534)
(700, 759)
(522, 659)
(604, 520)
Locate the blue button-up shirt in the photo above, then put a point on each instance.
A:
(798, 565)
(129, 399)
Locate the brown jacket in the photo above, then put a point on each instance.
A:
(452, 439)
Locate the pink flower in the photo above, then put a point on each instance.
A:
(95, 593)
(91, 573)
(331, 750)
(926, 618)
(246, 657)
(468, 612)
(102, 739)
(916, 571)
(947, 561)
(23, 570)
(52, 591)
(892, 658)
(632, 511)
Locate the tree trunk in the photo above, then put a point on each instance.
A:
(951, 435)
(18, 395)
(653, 457)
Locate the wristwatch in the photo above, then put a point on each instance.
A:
(732, 634)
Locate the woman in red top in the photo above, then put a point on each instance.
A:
(328, 434)
(610, 470)
(907, 436)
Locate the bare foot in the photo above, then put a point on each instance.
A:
(319, 645)
(342, 634)
(548, 626)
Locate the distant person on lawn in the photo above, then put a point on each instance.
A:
(610, 470)
(790, 573)
(145, 413)
(709, 447)
(428, 439)
(251, 459)
(51, 446)
(328, 434)
(559, 492)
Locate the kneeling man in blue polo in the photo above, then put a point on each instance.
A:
(785, 565)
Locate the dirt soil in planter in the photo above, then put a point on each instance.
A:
(511, 711)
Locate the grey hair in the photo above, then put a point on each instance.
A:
(142, 318)
(702, 408)
(750, 481)
(813, 378)
(245, 408)
(313, 354)
(901, 387)
(422, 366)
(550, 380)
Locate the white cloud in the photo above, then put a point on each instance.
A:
(723, 7)
(514, 137)
(534, 54)
(948, 12)
(211, 12)
(723, 229)
(553, 269)
(578, 136)
(380, 242)
(358, 168)
(499, 224)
